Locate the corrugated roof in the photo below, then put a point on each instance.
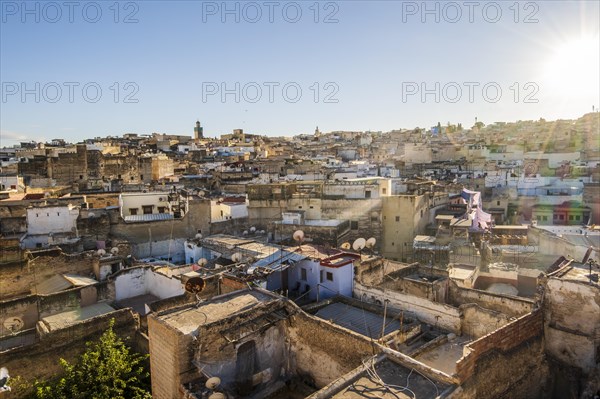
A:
(53, 284)
(358, 320)
(280, 260)
(148, 218)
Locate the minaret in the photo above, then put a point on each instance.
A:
(198, 134)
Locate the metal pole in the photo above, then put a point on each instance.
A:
(385, 302)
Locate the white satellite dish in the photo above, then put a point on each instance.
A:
(371, 242)
(91, 215)
(245, 233)
(346, 245)
(101, 252)
(359, 244)
(298, 236)
(114, 250)
(252, 229)
(202, 262)
(236, 257)
(198, 236)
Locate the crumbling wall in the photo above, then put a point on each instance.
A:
(20, 279)
(321, 352)
(572, 317)
(372, 272)
(504, 339)
(433, 313)
(510, 306)
(40, 361)
(477, 321)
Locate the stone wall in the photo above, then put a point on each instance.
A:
(510, 306)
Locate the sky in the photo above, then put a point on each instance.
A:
(77, 70)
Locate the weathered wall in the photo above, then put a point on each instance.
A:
(572, 320)
(20, 279)
(40, 361)
(510, 306)
(433, 313)
(504, 339)
(320, 352)
(477, 321)
(372, 272)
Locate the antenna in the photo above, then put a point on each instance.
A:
(101, 252)
(346, 245)
(114, 250)
(359, 244)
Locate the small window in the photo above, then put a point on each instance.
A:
(421, 212)
(354, 225)
(311, 207)
(57, 213)
(161, 209)
(90, 205)
(397, 218)
(80, 177)
(300, 207)
(561, 217)
(147, 209)
(133, 211)
(570, 217)
(577, 217)
(38, 245)
(141, 177)
(497, 202)
(303, 274)
(132, 177)
(368, 194)
(384, 191)
(118, 176)
(545, 218)
(329, 276)
(321, 276)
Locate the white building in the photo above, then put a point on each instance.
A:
(50, 225)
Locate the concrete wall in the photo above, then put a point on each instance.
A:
(143, 280)
(46, 220)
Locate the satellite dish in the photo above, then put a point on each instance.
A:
(91, 215)
(359, 244)
(213, 383)
(298, 236)
(245, 233)
(346, 245)
(114, 250)
(202, 262)
(371, 242)
(198, 236)
(101, 252)
(194, 285)
(236, 257)
(252, 229)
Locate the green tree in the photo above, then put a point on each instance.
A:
(107, 370)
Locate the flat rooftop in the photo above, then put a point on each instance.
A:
(188, 319)
(400, 383)
(358, 320)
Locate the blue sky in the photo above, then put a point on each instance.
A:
(370, 64)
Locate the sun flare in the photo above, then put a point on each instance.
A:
(573, 69)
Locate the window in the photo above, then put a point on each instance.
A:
(321, 276)
(384, 191)
(329, 276)
(368, 194)
(147, 209)
(497, 202)
(545, 218)
(303, 274)
(561, 217)
(570, 217)
(38, 244)
(141, 177)
(80, 177)
(133, 211)
(161, 209)
(421, 212)
(354, 225)
(397, 218)
(577, 217)
(57, 213)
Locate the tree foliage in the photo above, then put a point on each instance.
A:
(107, 370)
